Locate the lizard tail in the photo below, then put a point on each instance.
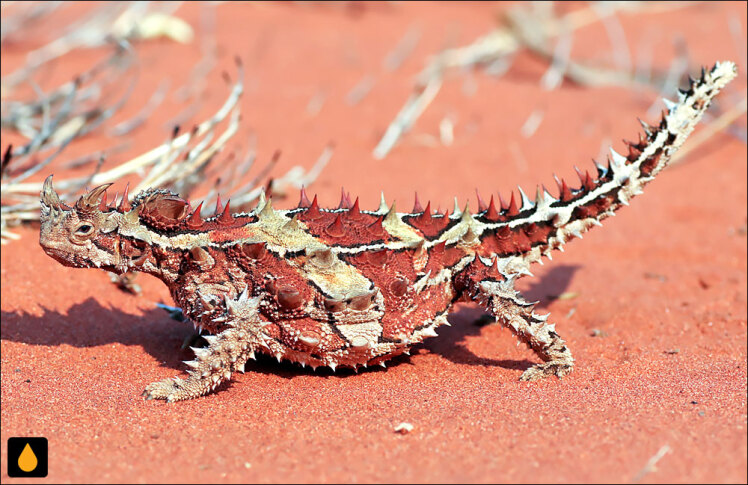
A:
(523, 231)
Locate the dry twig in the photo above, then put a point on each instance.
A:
(524, 29)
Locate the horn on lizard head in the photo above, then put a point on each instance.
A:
(48, 195)
(90, 201)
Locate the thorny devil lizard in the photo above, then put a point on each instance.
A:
(345, 286)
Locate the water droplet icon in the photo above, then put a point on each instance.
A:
(27, 460)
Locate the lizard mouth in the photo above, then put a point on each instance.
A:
(64, 258)
(61, 256)
(74, 260)
(57, 255)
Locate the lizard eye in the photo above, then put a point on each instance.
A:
(84, 229)
(82, 233)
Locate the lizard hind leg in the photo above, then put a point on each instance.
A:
(226, 353)
(514, 312)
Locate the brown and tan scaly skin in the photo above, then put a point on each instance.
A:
(345, 286)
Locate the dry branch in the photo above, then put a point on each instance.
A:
(532, 30)
(53, 120)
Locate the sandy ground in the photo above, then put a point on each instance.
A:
(656, 318)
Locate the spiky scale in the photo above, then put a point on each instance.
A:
(267, 209)
(425, 217)
(382, 204)
(526, 202)
(481, 205)
(336, 229)
(456, 213)
(512, 208)
(219, 205)
(588, 183)
(226, 218)
(303, 199)
(564, 194)
(194, 221)
(491, 213)
(354, 212)
(377, 226)
(102, 202)
(313, 211)
(649, 130)
(417, 205)
(345, 202)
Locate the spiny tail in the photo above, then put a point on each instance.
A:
(522, 234)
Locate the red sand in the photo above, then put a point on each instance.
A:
(662, 287)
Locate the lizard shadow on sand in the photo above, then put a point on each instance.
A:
(91, 324)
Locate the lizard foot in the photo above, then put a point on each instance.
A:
(541, 371)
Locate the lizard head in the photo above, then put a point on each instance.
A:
(87, 234)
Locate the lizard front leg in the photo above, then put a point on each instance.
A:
(514, 312)
(227, 352)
